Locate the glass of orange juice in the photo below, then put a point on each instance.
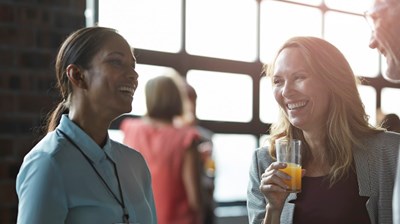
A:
(289, 151)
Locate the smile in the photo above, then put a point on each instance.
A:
(127, 89)
(292, 106)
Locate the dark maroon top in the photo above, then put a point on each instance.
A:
(317, 203)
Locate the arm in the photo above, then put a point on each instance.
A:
(263, 185)
(191, 179)
(40, 191)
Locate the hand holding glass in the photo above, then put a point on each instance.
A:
(288, 151)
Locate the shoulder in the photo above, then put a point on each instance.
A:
(50, 147)
(188, 133)
(125, 150)
(41, 165)
(261, 159)
(382, 148)
(382, 140)
(131, 161)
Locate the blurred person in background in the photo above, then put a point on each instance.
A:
(391, 122)
(170, 151)
(205, 147)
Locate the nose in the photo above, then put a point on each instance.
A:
(132, 74)
(288, 89)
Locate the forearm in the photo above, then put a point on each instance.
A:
(272, 216)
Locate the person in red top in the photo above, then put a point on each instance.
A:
(170, 152)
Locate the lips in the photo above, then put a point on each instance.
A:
(296, 105)
(128, 89)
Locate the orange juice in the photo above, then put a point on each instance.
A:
(293, 170)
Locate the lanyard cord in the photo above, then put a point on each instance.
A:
(121, 202)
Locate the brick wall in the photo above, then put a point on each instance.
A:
(30, 34)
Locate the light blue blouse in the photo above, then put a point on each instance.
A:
(56, 184)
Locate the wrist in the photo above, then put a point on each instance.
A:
(272, 214)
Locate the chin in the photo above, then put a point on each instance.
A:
(297, 124)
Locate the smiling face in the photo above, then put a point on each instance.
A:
(302, 95)
(111, 79)
(385, 15)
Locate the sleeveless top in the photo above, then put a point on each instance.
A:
(317, 203)
(163, 149)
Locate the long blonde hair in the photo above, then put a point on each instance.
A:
(347, 120)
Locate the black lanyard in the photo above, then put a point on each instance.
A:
(121, 202)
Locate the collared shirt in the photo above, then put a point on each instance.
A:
(57, 184)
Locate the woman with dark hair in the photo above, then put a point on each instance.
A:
(76, 173)
(349, 166)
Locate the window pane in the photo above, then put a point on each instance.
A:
(269, 109)
(357, 6)
(280, 21)
(222, 96)
(262, 141)
(232, 154)
(384, 64)
(148, 24)
(389, 101)
(116, 135)
(146, 72)
(368, 97)
(351, 35)
(222, 29)
(309, 2)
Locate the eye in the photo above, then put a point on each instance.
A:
(116, 62)
(277, 81)
(300, 76)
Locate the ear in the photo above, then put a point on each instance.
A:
(75, 76)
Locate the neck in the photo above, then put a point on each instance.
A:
(317, 165)
(95, 126)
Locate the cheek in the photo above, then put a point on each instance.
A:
(278, 96)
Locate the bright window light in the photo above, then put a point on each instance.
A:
(232, 153)
(222, 29)
(389, 101)
(280, 21)
(351, 35)
(146, 72)
(269, 108)
(148, 24)
(368, 97)
(222, 96)
(309, 2)
(356, 6)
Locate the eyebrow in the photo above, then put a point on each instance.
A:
(118, 53)
(115, 53)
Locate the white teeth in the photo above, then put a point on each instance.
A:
(127, 89)
(292, 106)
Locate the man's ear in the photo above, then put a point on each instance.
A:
(75, 76)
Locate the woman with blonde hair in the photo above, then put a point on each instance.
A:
(349, 166)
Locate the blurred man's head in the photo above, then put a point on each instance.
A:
(384, 18)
